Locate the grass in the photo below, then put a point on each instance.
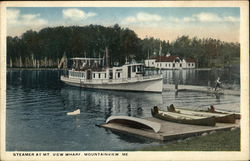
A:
(219, 141)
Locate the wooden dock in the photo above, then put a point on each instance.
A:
(170, 130)
(193, 88)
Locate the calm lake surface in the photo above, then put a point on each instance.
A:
(37, 103)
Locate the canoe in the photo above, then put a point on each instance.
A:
(134, 122)
(237, 115)
(219, 117)
(183, 119)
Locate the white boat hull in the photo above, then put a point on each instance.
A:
(137, 121)
(148, 85)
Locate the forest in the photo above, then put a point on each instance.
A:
(46, 47)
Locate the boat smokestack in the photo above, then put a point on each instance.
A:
(107, 56)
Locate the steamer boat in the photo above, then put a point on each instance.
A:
(95, 73)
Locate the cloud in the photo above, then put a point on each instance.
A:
(188, 19)
(12, 16)
(174, 19)
(148, 17)
(15, 18)
(231, 19)
(130, 19)
(205, 17)
(211, 17)
(76, 14)
(142, 17)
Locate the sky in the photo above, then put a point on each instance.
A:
(165, 23)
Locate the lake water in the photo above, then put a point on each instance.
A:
(37, 103)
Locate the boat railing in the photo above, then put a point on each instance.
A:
(121, 80)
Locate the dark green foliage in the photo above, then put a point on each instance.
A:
(52, 42)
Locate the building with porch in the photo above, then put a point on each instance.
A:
(170, 62)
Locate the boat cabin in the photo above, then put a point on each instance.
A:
(94, 69)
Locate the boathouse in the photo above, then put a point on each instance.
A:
(170, 62)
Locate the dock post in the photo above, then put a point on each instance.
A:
(176, 86)
(209, 85)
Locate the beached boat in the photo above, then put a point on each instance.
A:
(236, 115)
(182, 118)
(92, 73)
(134, 122)
(219, 117)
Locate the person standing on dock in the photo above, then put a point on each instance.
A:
(218, 84)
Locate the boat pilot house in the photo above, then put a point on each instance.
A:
(94, 73)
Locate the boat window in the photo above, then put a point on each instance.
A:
(93, 75)
(133, 69)
(99, 75)
(173, 65)
(118, 75)
(105, 75)
(180, 65)
(139, 68)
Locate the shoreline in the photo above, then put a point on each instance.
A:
(214, 141)
(34, 69)
(54, 68)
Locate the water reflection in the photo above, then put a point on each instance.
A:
(109, 102)
(229, 76)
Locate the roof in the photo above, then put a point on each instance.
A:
(190, 60)
(166, 59)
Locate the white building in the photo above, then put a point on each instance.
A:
(150, 63)
(170, 62)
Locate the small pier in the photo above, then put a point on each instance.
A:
(193, 88)
(170, 130)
